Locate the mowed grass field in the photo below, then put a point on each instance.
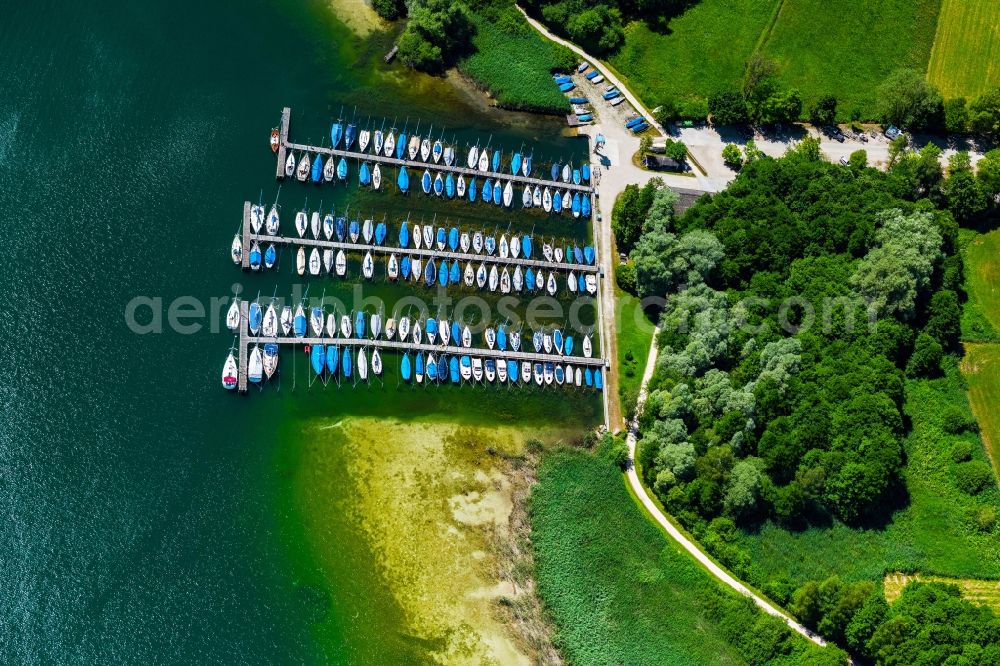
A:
(965, 60)
(634, 331)
(848, 48)
(704, 50)
(984, 592)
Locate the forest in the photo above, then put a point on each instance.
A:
(797, 308)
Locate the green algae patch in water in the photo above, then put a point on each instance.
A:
(408, 518)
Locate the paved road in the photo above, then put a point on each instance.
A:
(676, 534)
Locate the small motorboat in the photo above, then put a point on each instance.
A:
(587, 347)
(354, 231)
(591, 284)
(236, 251)
(466, 336)
(549, 373)
(255, 365)
(526, 372)
(477, 369)
(490, 336)
(578, 376)
(559, 374)
(275, 139)
(547, 343)
(538, 373)
(466, 368)
(233, 315)
(290, 165)
(431, 328)
(501, 370)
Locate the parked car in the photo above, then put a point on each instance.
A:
(844, 160)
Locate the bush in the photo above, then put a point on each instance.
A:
(956, 116)
(616, 450)
(907, 100)
(732, 156)
(676, 150)
(986, 518)
(824, 111)
(858, 159)
(961, 452)
(972, 477)
(926, 358)
(625, 277)
(390, 10)
(727, 107)
(955, 421)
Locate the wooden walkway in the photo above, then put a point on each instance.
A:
(415, 166)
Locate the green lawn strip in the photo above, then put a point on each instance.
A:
(981, 367)
(847, 49)
(634, 332)
(965, 60)
(981, 314)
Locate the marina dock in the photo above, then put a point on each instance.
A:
(285, 145)
(246, 340)
(249, 237)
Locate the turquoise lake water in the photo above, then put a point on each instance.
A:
(142, 524)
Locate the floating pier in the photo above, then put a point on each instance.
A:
(285, 145)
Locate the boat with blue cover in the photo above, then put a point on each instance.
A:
(404, 367)
(438, 185)
(588, 376)
(557, 340)
(430, 273)
(593, 74)
(497, 193)
(582, 284)
(576, 176)
(526, 246)
(585, 205)
(365, 174)
(425, 181)
(336, 132)
(562, 79)
(449, 185)
(380, 233)
(557, 204)
(317, 168)
(432, 328)
(345, 362)
(526, 167)
(255, 256)
(635, 121)
(359, 324)
(255, 317)
(456, 332)
(512, 371)
(404, 235)
(575, 207)
(401, 146)
(432, 368)
(353, 231)
(585, 173)
(502, 338)
(442, 369)
(577, 254)
(419, 368)
(579, 100)
(568, 345)
(496, 161)
(349, 135)
(403, 181)
(611, 94)
(340, 228)
(488, 191)
(441, 238)
(588, 254)
(404, 267)
(559, 374)
(342, 169)
(598, 379)
(270, 256)
(317, 356)
(584, 117)
(332, 359)
(515, 164)
(555, 171)
(471, 190)
(490, 243)
(566, 87)
(453, 367)
(456, 272)
(443, 273)
(299, 322)
(529, 279)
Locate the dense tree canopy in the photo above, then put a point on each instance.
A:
(437, 32)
